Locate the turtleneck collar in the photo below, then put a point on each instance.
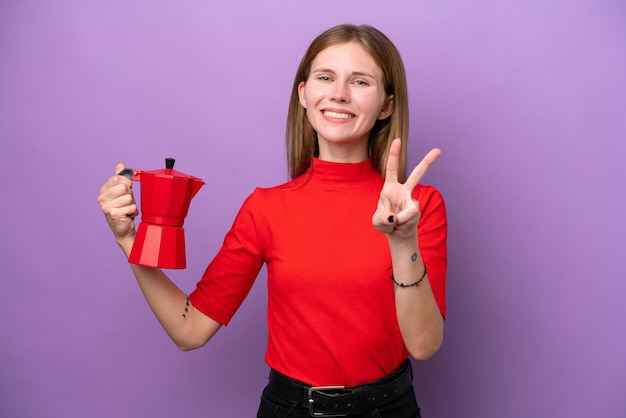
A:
(340, 175)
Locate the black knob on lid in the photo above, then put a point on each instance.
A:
(169, 162)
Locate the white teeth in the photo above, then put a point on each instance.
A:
(337, 115)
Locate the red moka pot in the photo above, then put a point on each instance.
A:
(165, 198)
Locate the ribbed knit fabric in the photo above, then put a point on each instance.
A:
(331, 308)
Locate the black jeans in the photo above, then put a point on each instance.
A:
(273, 406)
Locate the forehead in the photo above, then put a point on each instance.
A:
(347, 56)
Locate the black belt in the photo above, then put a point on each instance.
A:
(339, 401)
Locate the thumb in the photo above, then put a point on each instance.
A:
(120, 170)
(118, 167)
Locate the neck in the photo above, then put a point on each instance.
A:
(343, 153)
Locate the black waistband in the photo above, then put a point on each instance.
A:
(325, 401)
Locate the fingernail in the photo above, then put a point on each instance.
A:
(390, 219)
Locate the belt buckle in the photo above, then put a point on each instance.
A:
(311, 401)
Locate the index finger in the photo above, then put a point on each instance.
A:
(420, 170)
(393, 161)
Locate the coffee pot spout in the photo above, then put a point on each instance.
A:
(197, 185)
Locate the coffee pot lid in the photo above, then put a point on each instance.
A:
(168, 171)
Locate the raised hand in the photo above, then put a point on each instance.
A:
(397, 213)
(118, 204)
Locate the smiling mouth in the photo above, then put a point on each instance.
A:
(336, 115)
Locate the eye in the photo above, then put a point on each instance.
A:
(323, 78)
(361, 83)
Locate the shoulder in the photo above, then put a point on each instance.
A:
(430, 200)
(423, 193)
(290, 185)
(261, 196)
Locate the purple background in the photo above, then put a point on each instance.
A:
(527, 99)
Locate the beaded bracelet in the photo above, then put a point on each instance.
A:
(412, 284)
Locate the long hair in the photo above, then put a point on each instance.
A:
(301, 138)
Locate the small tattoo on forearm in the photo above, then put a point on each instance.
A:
(414, 257)
(186, 308)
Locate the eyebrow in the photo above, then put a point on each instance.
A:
(354, 73)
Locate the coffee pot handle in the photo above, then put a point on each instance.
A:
(126, 172)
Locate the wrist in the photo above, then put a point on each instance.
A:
(400, 241)
(126, 244)
(404, 248)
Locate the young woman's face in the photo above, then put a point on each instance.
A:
(343, 97)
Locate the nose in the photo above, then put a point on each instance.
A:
(340, 93)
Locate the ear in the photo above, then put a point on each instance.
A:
(387, 109)
(301, 94)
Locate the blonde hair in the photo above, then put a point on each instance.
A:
(301, 139)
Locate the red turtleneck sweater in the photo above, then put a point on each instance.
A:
(331, 308)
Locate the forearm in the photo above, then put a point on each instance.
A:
(419, 318)
(186, 326)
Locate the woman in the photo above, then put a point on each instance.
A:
(334, 316)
